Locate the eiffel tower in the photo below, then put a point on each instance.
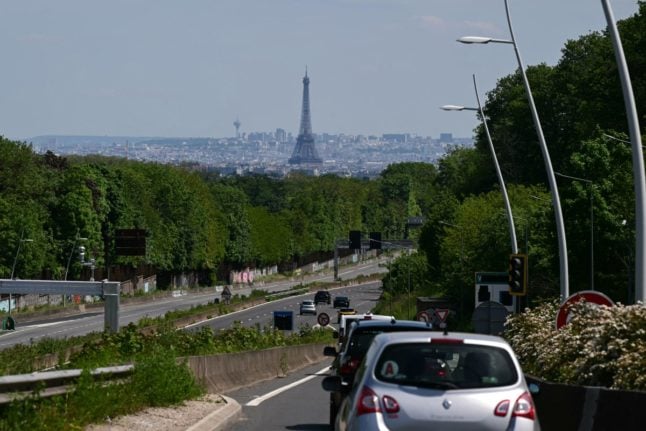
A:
(305, 152)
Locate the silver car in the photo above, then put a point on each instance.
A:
(444, 381)
(308, 307)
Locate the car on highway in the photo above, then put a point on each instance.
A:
(322, 296)
(361, 332)
(341, 302)
(438, 380)
(308, 307)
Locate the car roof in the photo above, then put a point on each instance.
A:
(392, 323)
(417, 337)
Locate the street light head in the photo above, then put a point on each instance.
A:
(474, 39)
(452, 108)
(27, 240)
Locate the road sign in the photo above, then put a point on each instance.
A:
(323, 319)
(423, 316)
(489, 318)
(591, 296)
(441, 314)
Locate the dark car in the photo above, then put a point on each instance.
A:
(322, 296)
(353, 350)
(341, 302)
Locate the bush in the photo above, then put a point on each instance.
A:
(600, 346)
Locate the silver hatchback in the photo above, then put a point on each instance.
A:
(444, 381)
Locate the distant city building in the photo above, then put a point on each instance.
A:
(305, 151)
(281, 135)
(395, 137)
(446, 137)
(237, 125)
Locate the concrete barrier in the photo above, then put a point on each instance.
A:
(587, 408)
(227, 372)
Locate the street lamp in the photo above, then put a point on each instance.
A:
(503, 188)
(590, 185)
(15, 260)
(638, 156)
(556, 202)
(69, 259)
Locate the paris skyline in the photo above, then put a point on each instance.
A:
(166, 68)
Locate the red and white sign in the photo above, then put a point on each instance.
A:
(323, 319)
(441, 314)
(422, 316)
(591, 296)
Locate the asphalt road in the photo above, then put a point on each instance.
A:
(93, 321)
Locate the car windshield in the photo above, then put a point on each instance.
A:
(360, 340)
(446, 366)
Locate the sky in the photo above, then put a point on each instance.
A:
(189, 68)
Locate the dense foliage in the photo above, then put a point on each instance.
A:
(600, 346)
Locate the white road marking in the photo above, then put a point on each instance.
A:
(256, 401)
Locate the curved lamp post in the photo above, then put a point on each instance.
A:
(503, 188)
(638, 156)
(15, 260)
(590, 186)
(556, 202)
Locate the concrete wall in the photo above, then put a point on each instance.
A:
(586, 408)
(227, 372)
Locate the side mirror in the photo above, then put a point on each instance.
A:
(329, 351)
(331, 384)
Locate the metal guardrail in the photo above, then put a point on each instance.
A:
(51, 383)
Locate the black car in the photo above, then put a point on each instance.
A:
(341, 302)
(356, 344)
(322, 296)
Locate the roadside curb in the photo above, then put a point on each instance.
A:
(221, 418)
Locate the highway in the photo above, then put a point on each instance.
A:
(93, 320)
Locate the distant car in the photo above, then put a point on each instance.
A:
(341, 302)
(447, 381)
(322, 296)
(360, 333)
(308, 307)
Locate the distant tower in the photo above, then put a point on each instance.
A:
(304, 151)
(237, 124)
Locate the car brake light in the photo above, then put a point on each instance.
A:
(446, 341)
(390, 404)
(368, 402)
(502, 408)
(350, 366)
(524, 407)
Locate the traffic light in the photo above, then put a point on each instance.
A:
(375, 240)
(355, 239)
(518, 274)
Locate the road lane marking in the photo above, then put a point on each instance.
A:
(256, 401)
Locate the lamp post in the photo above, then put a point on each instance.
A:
(590, 185)
(503, 188)
(69, 259)
(15, 260)
(556, 202)
(638, 156)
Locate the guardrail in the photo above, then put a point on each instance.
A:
(51, 383)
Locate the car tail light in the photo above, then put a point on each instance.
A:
(502, 408)
(446, 341)
(390, 404)
(368, 402)
(524, 407)
(350, 366)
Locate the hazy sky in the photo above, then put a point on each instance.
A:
(189, 67)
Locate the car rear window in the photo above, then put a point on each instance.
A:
(360, 339)
(446, 366)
